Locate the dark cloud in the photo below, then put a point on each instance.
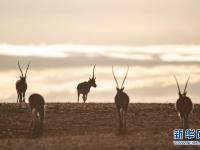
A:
(76, 60)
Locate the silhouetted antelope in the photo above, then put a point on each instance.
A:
(183, 105)
(21, 85)
(121, 101)
(36, 103)
(84, 87)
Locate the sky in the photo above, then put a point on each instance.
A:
(56, 73)
(110, 22)
(63, 39)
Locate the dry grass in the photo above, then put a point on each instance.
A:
(92, 126)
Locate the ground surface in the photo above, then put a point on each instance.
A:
(93, 126)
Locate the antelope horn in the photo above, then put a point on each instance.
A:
(93, 70)
(115, 77)
(27, 67)
(125, 77)
(177, 84)
(20, 68)
(186, 84)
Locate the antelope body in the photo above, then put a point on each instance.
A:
(184, 105)
(121, 101)
(84, 87)
(36, 104)
(21, 85)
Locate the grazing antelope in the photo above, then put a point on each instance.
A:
(84, 87)
(21, 85)
(183, 105)
(36, 104)
(121, 101)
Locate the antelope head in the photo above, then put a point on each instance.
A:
(120, 89)
(92, 80)
(179, 91)
(23, 77)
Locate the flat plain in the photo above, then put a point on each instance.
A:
(93, 126)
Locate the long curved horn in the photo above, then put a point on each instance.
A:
(20, 68)
(186, 84)
(177, 84)
(115, 77)
(27, 67)
(125, 77)
(93, 70)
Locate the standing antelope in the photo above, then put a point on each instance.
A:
(183, 105)
(36, 104)
(121, 101)
(21, 85)
(84, 87)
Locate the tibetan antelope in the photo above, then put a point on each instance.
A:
(183, 105)
(121, 101)
(84, 87)
(36, 104)
(21, 85)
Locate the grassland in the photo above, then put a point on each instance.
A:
(93, 126)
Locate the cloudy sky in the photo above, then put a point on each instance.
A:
(63, 39)
(56, 70)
